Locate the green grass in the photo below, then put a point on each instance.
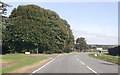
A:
(13, 57)
(19, 62)
(105, 57)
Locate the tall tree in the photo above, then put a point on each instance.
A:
(3, 22)
(81, 44)
(36, 28)
(3, 11)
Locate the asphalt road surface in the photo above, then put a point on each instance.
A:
(77, 63)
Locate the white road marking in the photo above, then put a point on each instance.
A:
(43, 66)
(82, 63)
(87, 66)
(91, 69)
(77, 59)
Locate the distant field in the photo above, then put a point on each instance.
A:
(105, 57)
(14, 62)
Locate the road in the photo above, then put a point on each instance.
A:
(77, 63)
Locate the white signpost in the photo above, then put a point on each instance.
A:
(100, 50)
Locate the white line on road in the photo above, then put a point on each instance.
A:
(77, 59)
(82, 63)
(91, 69)
(87, 67)
(43, 66)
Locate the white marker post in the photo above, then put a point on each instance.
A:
(100, 50)
(95, 55)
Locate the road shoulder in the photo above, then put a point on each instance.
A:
(29, 69)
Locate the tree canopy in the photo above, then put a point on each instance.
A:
(115, 51)
(81, 44)
(32, 27)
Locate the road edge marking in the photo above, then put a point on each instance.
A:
(91, 69)
(82, 63)
(43, 66)
(77, 59)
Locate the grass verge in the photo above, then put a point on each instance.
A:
(14, 62)
(108, 58)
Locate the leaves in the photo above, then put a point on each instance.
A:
(81, 44)
(34, 27)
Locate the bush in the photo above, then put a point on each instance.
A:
(114, 51)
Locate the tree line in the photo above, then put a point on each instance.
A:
(37, 30)
(32, 28)
(105, 47)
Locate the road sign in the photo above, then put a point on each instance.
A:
(27, 52)
(99, 48)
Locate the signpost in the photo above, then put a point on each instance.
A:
(100, 50)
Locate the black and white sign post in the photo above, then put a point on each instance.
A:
(100, 50)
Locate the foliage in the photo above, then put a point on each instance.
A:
(100, 46)
(81, 44)
(33, 27)
(114, 51)
(3, 7)
(3, 11)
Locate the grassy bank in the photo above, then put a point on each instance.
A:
(108, 58)
(14, 62)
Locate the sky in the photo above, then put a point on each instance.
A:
(97, 22)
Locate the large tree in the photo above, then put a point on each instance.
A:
(81, 44)
(33, 27)
(3, 11)
(3, 21)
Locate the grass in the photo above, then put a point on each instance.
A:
(14, 62)
(108, 58)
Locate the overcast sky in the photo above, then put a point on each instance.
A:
(96, 21)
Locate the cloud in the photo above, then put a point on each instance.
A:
(96, 38)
